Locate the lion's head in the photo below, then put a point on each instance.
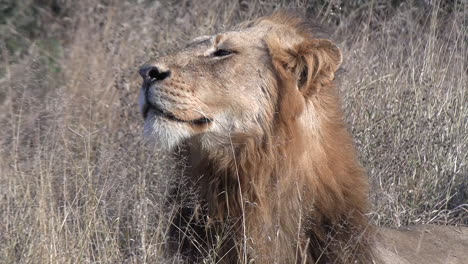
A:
(227, 84)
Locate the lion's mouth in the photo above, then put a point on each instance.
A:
(169, 116)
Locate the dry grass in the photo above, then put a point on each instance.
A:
(78, 185)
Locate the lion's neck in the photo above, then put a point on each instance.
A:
(296, 152)
(249, 168)
(276, 180)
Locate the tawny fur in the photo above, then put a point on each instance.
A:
(287, 189)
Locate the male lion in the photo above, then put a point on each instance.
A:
(255, 114)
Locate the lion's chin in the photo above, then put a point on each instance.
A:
(165, 134)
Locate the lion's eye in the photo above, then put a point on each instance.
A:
(222, 53)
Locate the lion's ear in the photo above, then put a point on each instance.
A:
(319, 60)
(312, 63)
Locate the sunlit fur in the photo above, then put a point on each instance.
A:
(276, 169)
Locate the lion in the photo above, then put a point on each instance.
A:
(255, 115)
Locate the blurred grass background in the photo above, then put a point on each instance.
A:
(78, 185)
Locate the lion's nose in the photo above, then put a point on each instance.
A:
(151, 73)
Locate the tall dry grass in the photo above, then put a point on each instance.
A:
(78, 185)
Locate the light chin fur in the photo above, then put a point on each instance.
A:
(163, 134)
